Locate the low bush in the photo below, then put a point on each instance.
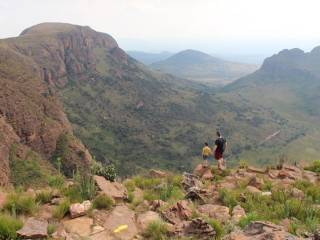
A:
(9, 227)
(61, 209)
(108, 172)
(315, 167)
(217, 226)
(245, 221)
(157, 230)
(102, 201)
(20, 204)
(130, 186)
(56, 181)
(43, 197)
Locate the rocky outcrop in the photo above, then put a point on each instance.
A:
(198, 228)
(190, 180)
(261, 231)
(177, 213)
(114, 190)
(157, 174)
(30, 114)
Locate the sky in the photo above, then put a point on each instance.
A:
(213, 26)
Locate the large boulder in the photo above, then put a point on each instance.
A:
(256, 170)
(261, 231)
(177, 213)
(216, 211)
(121, 223)
(79, 209)
(256, 182)
(157, 174)
(253, 189)
(34, 229)
(200, 170)
(207, 175)
(114, 190)
(190, 180)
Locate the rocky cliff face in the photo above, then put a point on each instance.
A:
(31, 67)
(69, 50)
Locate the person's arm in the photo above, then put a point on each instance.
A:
(225, 146)
(214, 149)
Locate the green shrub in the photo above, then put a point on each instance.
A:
(73, 194)
(138, 181)
(245, 221)
(217, 226)
(267, 186)
(52, 227)
(150, 195)
(315, 167)
(130, 186)
(108, 172)
(130, 197)
(102, 201)
(20, 204)
(43, 197)
(312, 224)
(229, 198)
(61, 209)
(174, 180)
(85, 184)
(56, 181)
(9, 227)
(156, 230)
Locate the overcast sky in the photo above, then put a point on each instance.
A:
(252, 26)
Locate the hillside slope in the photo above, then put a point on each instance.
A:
(124, 112)
(289, 83)
(191, 64)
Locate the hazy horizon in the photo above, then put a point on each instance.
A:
(233, 27)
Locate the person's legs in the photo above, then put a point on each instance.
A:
(220, 164)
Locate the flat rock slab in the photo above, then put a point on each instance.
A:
(216, 211)
(79, 226)
(34, 229)
(104, 235)
(121, 223)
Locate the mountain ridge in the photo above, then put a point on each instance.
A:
(196, 65)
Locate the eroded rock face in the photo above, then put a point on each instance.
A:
(177, 213)
(190, 180)
(198, 228)
(7, 137)
(34, 229)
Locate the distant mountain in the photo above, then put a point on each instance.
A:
(191, 64)
(149, 58)
(288, 83)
